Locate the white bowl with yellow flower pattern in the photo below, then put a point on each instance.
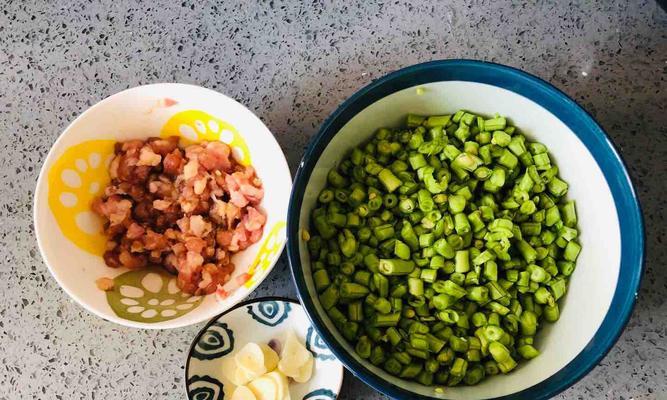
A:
(70, 236)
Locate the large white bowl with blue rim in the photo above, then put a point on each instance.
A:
(603, 288)
(262, 320)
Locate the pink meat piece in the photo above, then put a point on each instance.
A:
(254, 219)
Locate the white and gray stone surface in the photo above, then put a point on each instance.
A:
(292, 63)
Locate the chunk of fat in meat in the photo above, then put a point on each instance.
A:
(241, 191)
(215, 157)
(191, 169)
(164, 146)
(148, 157)
(255, 235)
(237, 198)
(132, 261)
(233, 213)
(252, 193)
(199, 227)
(239, 238)
(195, 244)
(134, 231)
(115, 209)
(200, 185)
(254, 219)
(161, 205)
(155, 241)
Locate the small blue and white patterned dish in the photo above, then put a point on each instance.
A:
(261, 321)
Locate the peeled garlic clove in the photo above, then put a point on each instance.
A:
(242, 376)
(288, 368)
(271, 358)
(265, 388)
(251, 359)
(281, 383)
(305, 371)
(229, 370)
(243, 393)
(294, 351)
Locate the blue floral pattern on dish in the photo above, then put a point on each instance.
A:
(217, 341)
(316, 346)
(205, 388)
(270, 313)
(320, 394)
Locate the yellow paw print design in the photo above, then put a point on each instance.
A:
(196, 126)
(75, 179)
(267, 253)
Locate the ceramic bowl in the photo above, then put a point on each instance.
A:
(603, 288)
(260, 321)
(75, 171)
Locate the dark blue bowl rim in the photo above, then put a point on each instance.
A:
(569, 112)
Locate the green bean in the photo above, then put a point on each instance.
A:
(355, 311)
(459, 367)
(363, 347)
(395, 266)
(462, 261)
(350, 330)
(474, 374)
(571, 251)
(350, 290)
(377, 356)
(393, 366)
(411, 370)
(527, 352)
(321, 279)
(382, 305)
(501, 355)
(337, 316)
(415, 286)
(429, 275)
(401, 250)
(443, 248)
(381, 284)
(329, 297)
(384, 320)
(551, 313)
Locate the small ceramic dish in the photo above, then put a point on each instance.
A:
(603, 288)
(76, 170)
(260, 321)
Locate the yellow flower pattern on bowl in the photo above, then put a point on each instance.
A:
(76, 178)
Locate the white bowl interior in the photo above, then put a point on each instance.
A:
(142, 112)
(594, 280)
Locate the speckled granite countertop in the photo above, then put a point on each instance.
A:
(293, 64)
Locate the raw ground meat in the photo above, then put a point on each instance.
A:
(186, 210)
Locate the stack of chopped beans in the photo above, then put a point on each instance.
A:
(186, 210)
(441, 248)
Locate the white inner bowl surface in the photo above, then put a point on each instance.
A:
(593, 283)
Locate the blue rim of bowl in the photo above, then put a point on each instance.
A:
(571, 114)
(217, 318)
